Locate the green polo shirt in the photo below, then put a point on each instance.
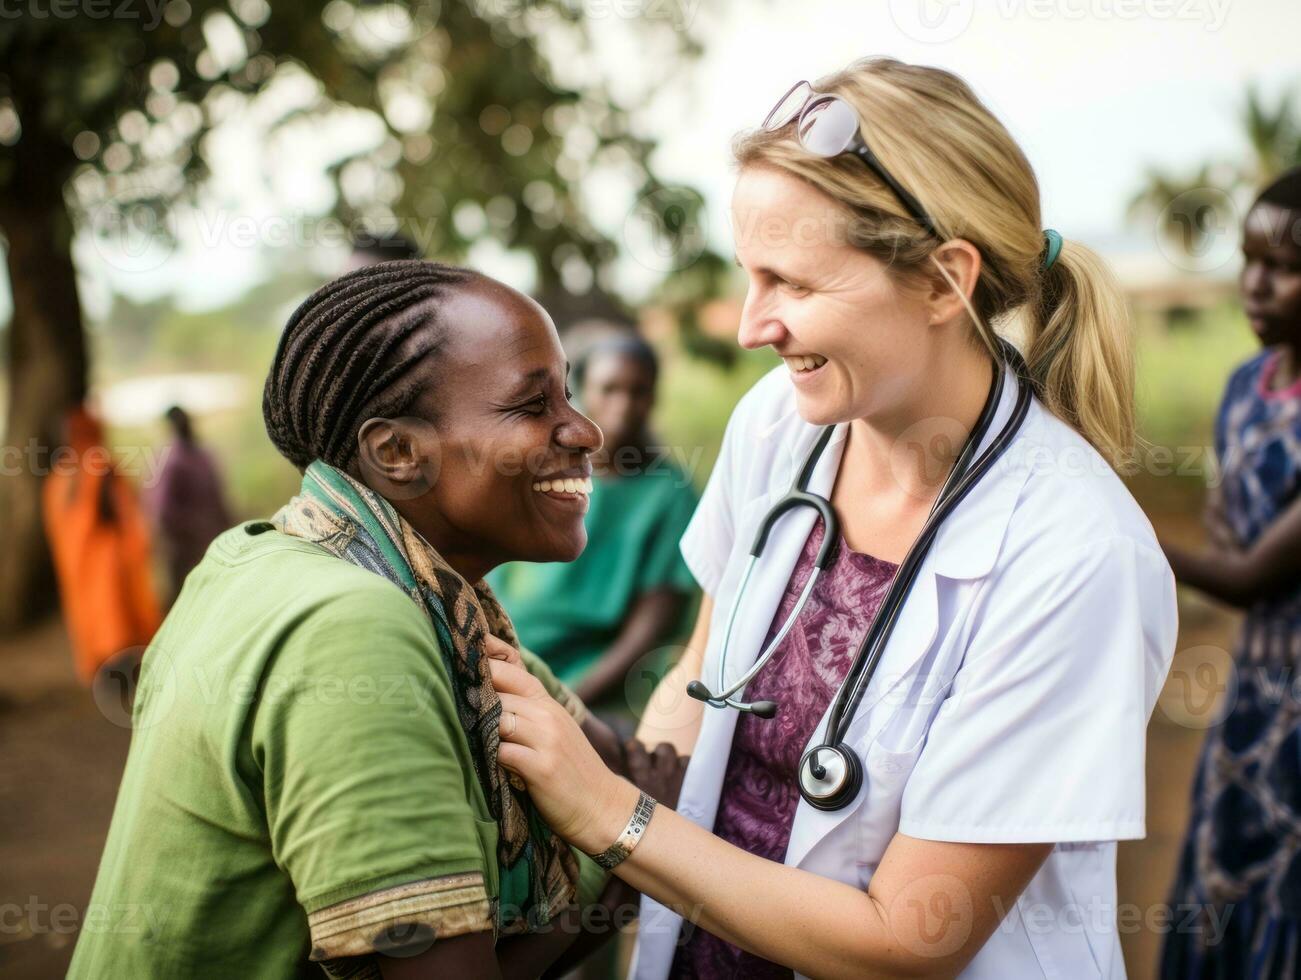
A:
(298, 784)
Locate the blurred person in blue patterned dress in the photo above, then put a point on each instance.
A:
(1240, 867)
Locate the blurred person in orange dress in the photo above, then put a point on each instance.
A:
(187, 503)
(100, 545)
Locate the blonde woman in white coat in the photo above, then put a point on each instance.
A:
(1001, 736)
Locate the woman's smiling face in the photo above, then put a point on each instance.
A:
(853, 341)
(505, 454)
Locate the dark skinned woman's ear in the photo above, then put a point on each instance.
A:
(398, 458)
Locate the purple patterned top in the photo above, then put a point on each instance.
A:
(760, 787)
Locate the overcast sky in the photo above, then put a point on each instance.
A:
(1095, 90)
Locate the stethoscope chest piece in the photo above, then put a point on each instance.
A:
(830, 776)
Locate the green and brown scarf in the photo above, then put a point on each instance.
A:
(538, 871)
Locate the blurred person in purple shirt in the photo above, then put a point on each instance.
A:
(187, 503)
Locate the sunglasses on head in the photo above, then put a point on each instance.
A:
(827, 126)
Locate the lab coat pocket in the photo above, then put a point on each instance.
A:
(886, 772)
(1065, 920)
(885, 775)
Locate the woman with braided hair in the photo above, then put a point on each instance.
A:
(313, 773)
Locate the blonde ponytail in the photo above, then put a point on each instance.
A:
(1080, 353)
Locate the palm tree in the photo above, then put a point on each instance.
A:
(1274, 135)
(1193, 209)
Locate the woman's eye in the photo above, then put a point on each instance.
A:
(537, 406)
(792, 287)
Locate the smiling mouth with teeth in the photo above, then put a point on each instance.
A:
(800, 363)
(581, 485)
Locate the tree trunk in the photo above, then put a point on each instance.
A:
(47, 366)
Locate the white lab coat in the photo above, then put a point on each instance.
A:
(1011, 702)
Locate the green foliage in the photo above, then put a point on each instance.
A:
(478, 125)
(696, 397)
(1182, 373)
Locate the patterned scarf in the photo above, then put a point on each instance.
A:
(538, 872)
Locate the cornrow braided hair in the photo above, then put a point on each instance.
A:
(338, 364)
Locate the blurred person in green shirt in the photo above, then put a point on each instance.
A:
(603, 620)
(313, 775)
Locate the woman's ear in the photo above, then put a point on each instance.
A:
(955, 268)
(398, 458)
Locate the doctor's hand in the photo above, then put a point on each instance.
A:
(578, 796)
(498, 649)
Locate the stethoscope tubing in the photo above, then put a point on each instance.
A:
(724, 698)
(862, 669)
(961, 479)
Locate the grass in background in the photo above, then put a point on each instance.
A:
(241, 340)
(696, 398)
(1182, 371)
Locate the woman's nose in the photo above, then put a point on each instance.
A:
(760, 327)
(578, 433)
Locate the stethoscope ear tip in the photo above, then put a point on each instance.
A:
(764, 709)
(698, 691)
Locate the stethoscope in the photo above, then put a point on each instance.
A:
(830, 772)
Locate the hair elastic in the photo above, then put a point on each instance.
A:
(1052, 247)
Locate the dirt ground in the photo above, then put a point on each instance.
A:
(60, 761)
(61, 758)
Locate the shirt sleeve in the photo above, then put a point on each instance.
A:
(367, 789)
(1042, 735)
